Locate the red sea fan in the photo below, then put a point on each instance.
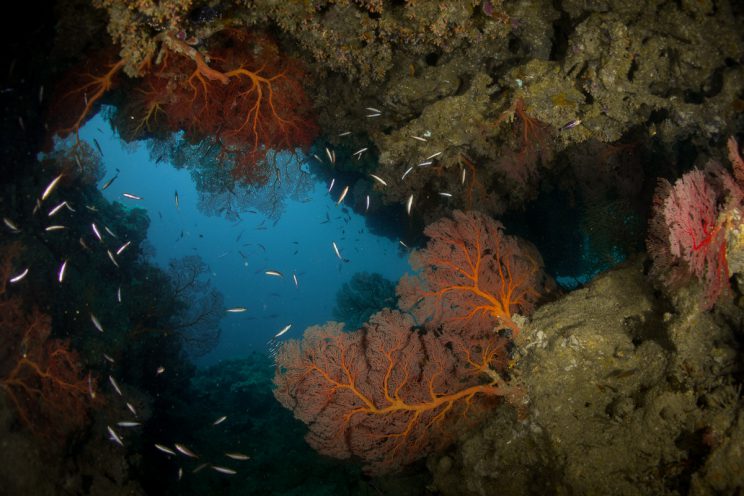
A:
(519, 165)
(77, 96)
(248, 95)
(388, 393)
(40, 376)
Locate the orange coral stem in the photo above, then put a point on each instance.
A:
(396, 403)
(201, 64)
(102, 84)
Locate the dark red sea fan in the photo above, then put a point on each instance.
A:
(41, 377)
(245, 94)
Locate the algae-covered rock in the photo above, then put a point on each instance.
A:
(621, 401)
(436, 125)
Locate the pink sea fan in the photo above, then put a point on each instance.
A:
(685, 238)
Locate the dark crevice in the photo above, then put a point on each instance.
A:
(431, 59)
(563, 27)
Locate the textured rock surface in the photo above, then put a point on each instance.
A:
(620, 401)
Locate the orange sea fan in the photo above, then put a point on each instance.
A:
(471, 275)
(388, 393)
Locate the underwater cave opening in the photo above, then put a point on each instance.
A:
(578, 240)
(245, 234)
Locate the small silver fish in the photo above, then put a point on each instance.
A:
(19, 277)
(570, 125)
(237, 456)
(114, 436)
(333, 181)
(366, 209)
(274, 273)
(111, 256)
(343, 195)
(56, 209)
(62, 270)
(118, 294)
(160, 370)
(372, 109)
(220, 420)
(223, 470)
(448, 195)
(90, 387)
(131, 196)
(50, 188)
(433, 155)
(335, 248)
(359, 152)
(110, 181)
(294, 278)
(237, 309)
(131, 409)
(419, 138)
(408, 171)
(176, 199)
(111, 233)
(345, 133)
(165, 449)
(115, 385)
(126, 423)
(463, 176)
(54, 228)
(184, 450)
(284, 330)
(108, 358)
(378, 179)
(11, 225)
(409, 204)
(123, 247)
(96, 231)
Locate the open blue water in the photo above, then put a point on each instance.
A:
(239, 252)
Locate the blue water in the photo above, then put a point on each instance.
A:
(239, 251)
